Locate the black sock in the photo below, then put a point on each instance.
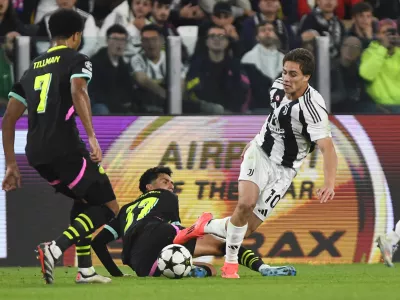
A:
(248, 259)
(83, 251)
(83, 225)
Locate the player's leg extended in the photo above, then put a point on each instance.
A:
(210, 245)
(237, 226)
(86, 272)
(388, 244)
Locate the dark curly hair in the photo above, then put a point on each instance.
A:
(151, 175)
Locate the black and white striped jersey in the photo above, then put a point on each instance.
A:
(293, 127)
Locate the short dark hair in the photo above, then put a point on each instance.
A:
(151, 27)
(361, 7)
(151, 175)
(162, 2)
(263, 23)
(116, 28)
(304, 58)
(217, 27)
(64, 23)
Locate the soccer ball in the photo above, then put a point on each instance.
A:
(175, 261)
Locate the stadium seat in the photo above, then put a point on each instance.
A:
(189, 37)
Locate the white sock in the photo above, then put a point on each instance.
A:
(394, 236)
(217, 227)
(55, 250)
(87, 271)
(234, 240)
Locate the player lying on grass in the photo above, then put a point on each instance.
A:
(151, 222)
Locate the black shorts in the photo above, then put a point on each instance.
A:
(78, 177)
(147, 245)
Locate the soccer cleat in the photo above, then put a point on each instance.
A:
(198, 272)
(46, 261)
(230, 270)
(93, 278)
(194, 231)
(278, 271)
(386, 249)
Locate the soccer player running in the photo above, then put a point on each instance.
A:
(52, 89)
(298, 121)
(151, 222)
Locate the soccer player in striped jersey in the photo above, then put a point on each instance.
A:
(299, 121)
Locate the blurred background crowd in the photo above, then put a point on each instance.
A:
(231, 51)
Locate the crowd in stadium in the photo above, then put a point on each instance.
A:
(231, 50)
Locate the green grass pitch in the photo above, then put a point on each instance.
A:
(322, 282)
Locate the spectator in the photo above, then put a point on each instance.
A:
(263, 64)
(380, 63)
(89, 36)
(132, 15)
(240, 8)
(10, 28)
(33, 11)
(186, 12)
(215, 83)
(346, 84)
(150, 70)
(111, 88)
(9, 21)
(160, 14)
(364, 27)
(268, 12)
(304, 7)
(323, 20)
(102, 8)
(385, 8)
(308, 42)
(222, 17)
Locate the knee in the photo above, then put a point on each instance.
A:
(246, 206)
(113, 206)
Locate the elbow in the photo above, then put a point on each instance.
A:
(366, 73)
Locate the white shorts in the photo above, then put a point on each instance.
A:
(273, 180)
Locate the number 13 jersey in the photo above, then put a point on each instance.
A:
(45, 89)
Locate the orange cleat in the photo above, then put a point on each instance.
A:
(230, 270)
(194, 231)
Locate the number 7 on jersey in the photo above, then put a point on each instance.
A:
(42, 84)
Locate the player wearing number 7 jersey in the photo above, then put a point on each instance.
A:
(298, 121)
(53, 89)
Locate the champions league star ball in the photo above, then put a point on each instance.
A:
(175, 261)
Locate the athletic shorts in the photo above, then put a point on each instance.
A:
(78, 177)
(147, 245)
(273, 180)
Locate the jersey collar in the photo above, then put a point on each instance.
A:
(56, 48)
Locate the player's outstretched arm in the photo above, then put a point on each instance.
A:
(15, 109)
(330, 165)
(99, 245)
(82, 107)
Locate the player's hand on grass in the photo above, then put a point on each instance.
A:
(95, 151)
(325, 193)
(12, 179)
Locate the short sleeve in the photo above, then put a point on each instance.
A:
(17, 92)
(138, 64)
(81, 67)
(316, 116)
(276, 92)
